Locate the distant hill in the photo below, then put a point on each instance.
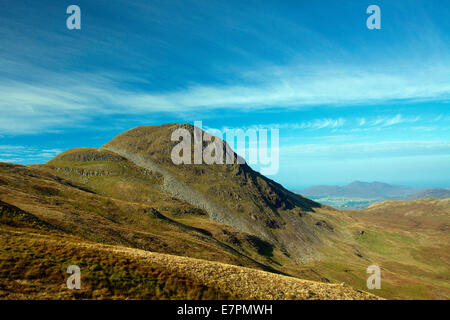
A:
(364, 190)
(437, 193)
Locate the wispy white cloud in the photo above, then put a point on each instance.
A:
(311, 67)
(322, 123)
(387, 121)
(315, 124)
(361, 121)
(338, 87)
(70, 99)
(349, 124)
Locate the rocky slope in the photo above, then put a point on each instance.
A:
(232, 194)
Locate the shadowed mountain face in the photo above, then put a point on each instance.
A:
(359, 189)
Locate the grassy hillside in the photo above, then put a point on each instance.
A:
(80, 211)
(33, 265)
(437, 193)
(128, 198)
(409, 240)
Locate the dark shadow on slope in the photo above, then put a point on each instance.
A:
(15, 217)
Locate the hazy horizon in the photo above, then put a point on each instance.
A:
(424, 186)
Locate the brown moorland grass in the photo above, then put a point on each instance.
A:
(409, 240)
(33, 266)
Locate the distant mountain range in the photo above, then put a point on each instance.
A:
(374, 190)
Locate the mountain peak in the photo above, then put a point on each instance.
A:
(232, 194)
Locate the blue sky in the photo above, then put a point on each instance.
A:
(350, 103)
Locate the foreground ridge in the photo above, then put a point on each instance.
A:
(226, 281)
